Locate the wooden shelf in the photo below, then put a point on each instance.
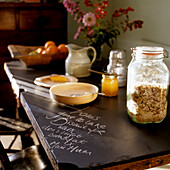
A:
(30, 5)
(31, 24)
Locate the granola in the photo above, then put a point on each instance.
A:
(150, 102)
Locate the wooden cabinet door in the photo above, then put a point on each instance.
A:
(40, 19)
(7, 19)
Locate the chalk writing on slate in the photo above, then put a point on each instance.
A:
(68, 130)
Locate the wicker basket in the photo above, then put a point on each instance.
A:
(22, 53)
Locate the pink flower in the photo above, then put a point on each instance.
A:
(90, 32)
(80, 28)
(69, 5)
(76, 35)
(79, 20)
(89, 19)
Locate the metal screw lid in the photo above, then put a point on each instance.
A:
(117, 54)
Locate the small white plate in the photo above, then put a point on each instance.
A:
(47, 82)
(74, 93)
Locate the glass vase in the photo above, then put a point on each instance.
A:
(99, 58)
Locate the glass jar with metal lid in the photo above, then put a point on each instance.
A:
(117, 64)
(147, 85)
(109, 84)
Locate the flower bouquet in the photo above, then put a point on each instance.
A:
(94, 27)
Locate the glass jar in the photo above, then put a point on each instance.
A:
(117, 64)
(147, 85)
(109, 84)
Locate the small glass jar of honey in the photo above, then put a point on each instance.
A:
(109, 84)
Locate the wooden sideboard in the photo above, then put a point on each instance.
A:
(30, 24)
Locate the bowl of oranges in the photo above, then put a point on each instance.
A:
(39, 55)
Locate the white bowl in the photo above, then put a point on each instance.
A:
(74, 93)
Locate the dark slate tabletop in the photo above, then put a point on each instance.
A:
(98, 134)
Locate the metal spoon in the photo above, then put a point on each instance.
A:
(98, 72)
(86, 93)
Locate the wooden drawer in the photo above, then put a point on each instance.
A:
(7, 19)
(41, 19)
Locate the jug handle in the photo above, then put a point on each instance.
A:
(166, 53)
(94, 57)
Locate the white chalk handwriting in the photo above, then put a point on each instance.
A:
(68, 130)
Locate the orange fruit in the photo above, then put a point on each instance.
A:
(39, 50)
(44, 52)
(49, 43)
(52, 49)
(62, 48)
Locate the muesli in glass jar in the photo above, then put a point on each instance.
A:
(147, 85)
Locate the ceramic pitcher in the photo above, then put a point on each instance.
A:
(78, 62)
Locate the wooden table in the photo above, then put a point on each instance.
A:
(95, 135)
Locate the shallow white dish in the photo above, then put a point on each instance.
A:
(74, 93)
(47, 82)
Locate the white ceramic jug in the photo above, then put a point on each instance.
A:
(78, 62)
